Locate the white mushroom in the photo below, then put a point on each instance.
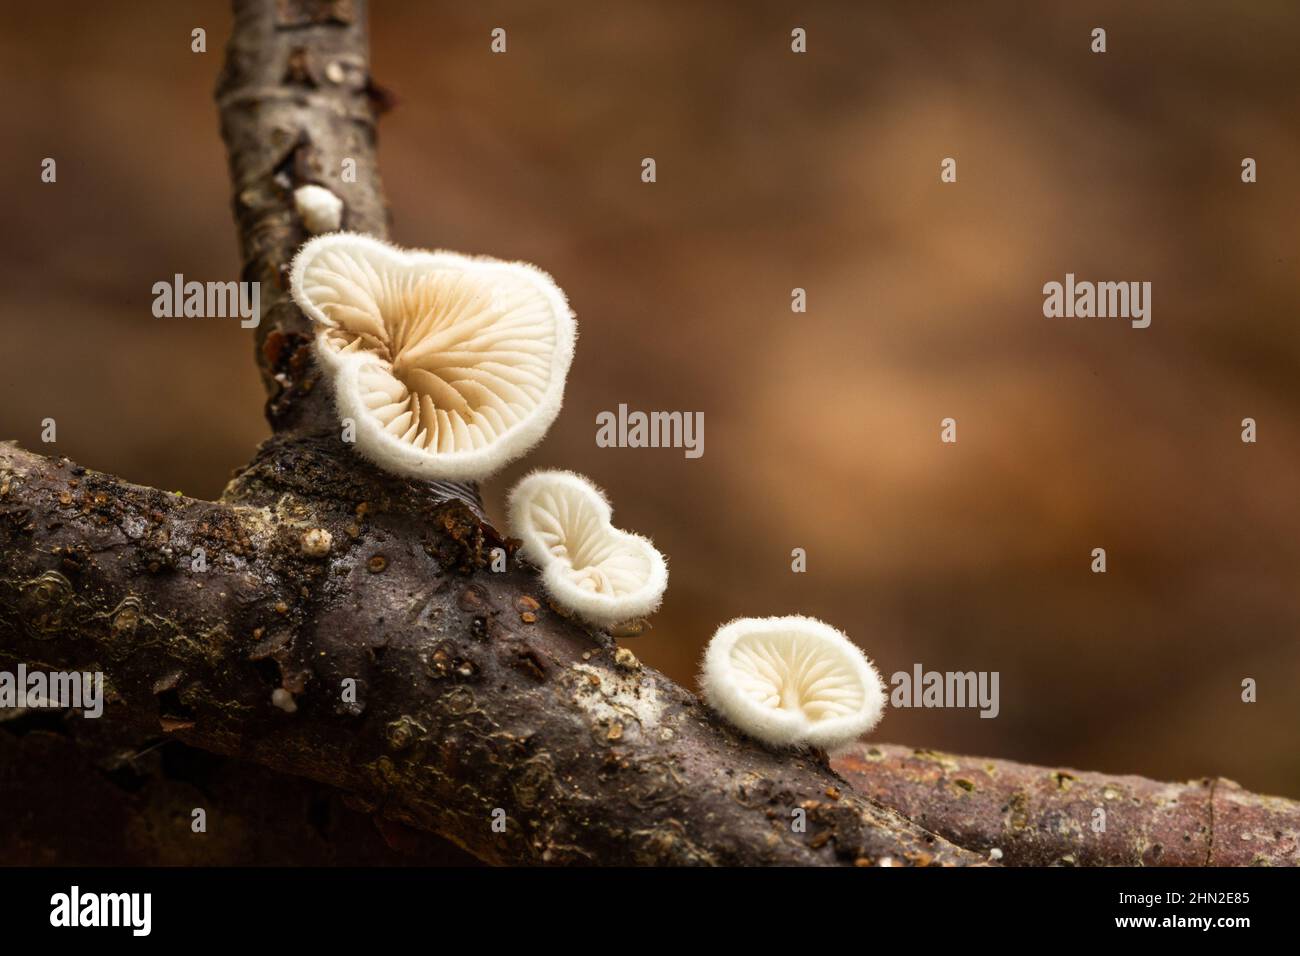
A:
(449, 366)
(602, 574)
(792, 680)
(318, 208)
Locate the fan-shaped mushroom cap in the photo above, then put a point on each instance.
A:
(602, 574)
(450, 366)
(792, 680)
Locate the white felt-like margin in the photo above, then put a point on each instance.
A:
(388, 451)
(773, 725)
(602, 610)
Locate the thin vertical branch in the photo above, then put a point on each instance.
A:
(297, 107)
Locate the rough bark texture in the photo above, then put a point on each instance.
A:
(1039, 816)
(471, 693)
(432, 690)
(297, 107)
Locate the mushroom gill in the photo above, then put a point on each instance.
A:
(457, 363)
(602, 574)
(791, 681)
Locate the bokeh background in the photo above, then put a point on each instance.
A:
(822, 430)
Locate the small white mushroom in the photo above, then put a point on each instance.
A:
(791, 681)
(601, 574)
(318, 208)
(449, 366)
(284, 700)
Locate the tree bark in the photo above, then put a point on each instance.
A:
(437, 693)
(297, 107)
(472, 695)
(1041, 816)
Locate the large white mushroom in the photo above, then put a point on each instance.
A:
(596, 571)
(790, 681)
(450, 366)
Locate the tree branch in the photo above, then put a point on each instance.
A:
(464, 706)
(1039, 816)
(472, 694)
(297, 107)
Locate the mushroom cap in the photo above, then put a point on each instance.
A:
(602, 574)
(792, 680)
(450, 365)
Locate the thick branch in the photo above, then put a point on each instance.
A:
(465, 705)
(1040, 816)
(471, 693)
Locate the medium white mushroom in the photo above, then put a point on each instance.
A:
(790, 681)
(449, 366)
(601, 574)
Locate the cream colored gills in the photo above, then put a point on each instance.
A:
(602, 574)
(449, 355)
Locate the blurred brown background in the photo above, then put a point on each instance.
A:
(775, 171)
